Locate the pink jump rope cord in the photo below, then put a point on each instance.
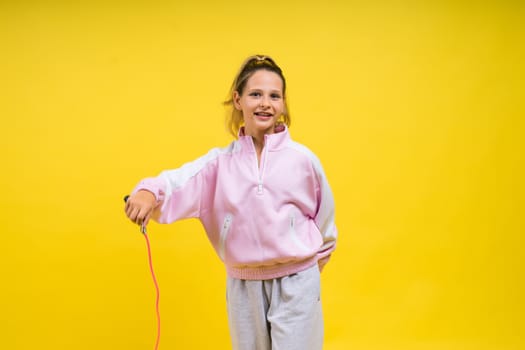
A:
(157, 299)
(157, 310)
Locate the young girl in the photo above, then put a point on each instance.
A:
(267, 209)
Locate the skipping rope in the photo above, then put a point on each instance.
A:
(152, 271)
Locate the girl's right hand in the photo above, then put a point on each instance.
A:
(140, 206)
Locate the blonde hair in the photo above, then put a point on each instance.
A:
(252, 64)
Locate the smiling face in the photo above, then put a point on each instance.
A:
(261, 102)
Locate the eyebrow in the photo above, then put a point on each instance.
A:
(259, 89)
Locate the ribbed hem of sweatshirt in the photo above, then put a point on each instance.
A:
(270, 272)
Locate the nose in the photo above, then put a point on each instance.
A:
(264, 101)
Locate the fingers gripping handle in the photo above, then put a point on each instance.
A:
(142, 227)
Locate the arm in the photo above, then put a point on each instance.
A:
(174, 194)
(324, 217)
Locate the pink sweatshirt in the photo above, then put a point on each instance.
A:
(264, 221)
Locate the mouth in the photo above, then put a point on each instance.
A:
(264, 115)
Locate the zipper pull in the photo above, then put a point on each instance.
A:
(260, 188)
(227, 222)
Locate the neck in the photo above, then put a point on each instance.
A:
(258, 141)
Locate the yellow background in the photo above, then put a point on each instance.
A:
(416, 112)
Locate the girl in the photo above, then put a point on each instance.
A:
(267, 209)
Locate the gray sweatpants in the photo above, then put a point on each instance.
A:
(278, 314)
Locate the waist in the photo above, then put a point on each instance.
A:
(267, 272)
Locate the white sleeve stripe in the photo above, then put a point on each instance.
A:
(177, 178)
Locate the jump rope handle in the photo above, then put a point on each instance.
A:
(142, 227)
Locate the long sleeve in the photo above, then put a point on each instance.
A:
(179, 192)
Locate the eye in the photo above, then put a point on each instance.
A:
(275, 96)
(255, 94)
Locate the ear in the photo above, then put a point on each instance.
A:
(236, 100)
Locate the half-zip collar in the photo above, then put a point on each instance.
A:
(272, 142)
